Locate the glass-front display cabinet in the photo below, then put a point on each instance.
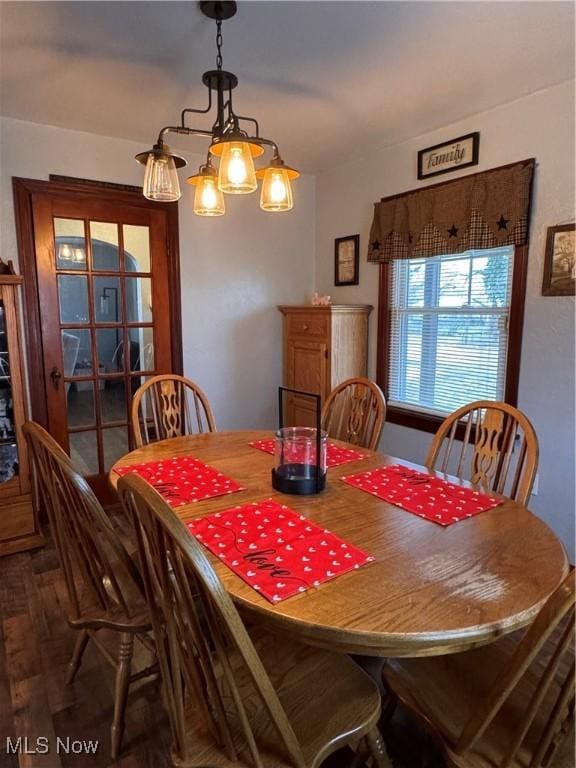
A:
(18, 521)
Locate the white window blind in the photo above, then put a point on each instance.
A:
(449, 329)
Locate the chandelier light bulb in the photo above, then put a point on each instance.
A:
(161, 179)
(208, 194)
(236, 175)
(276, 193)
(236, 169)
(208, 199)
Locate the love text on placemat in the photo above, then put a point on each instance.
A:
(278, 552)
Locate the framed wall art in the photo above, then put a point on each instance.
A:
(449, 156)
(346, 260)
(560, 262)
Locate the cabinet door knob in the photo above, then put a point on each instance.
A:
(305, 327)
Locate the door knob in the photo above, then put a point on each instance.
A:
(55, 375)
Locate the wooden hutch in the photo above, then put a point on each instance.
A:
(322, 346)
(18, 522)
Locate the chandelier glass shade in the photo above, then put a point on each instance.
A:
(160, 178)
(208, 197)
(276, 194)
(236, 174)
(230, 143)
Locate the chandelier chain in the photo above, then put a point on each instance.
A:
(219, 44)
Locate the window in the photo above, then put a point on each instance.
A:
(447, 336)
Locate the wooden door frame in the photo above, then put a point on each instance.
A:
(86, 190)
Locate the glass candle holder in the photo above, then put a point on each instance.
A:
(300, 466)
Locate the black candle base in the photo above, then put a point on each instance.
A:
(298, 479)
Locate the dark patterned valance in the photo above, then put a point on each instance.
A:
(483, 210)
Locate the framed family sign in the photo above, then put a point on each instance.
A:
(346, 260)
(449, 156)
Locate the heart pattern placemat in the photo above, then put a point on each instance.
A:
(183, 479)
(278, 552)
(424, 495)
(335, 455)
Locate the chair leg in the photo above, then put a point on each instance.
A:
(389, 703)
(361, 755)
(79, 648)
(121, 691)
(378, 752)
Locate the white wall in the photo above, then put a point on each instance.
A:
(540, 126)
(234, 269)
(233, 277)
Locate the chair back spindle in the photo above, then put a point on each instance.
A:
(90, 552)
(168, 406)
(490, 443)
(554, 622)
(355, 412)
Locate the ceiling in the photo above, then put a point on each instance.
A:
(324, 79)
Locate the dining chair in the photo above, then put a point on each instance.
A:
(236, 699)
(510, 703)
(104, 588)
(490, 443)
(169, 406)
(355, 411)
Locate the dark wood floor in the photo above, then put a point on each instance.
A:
(35, 648)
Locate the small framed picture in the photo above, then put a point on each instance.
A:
(346, 260)
(560, 262)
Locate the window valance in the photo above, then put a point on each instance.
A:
(483, 210)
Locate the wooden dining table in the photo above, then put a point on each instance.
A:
(430, 590)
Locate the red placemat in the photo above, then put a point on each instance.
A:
(335, 455)
(425, 495)
(275, 550)
(183, 479)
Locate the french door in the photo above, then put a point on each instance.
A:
(105, 287)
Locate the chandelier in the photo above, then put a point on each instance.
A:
(230, 144)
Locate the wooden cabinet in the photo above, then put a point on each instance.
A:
(322, 347)
(18, 523)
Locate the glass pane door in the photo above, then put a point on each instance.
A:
(105, 288)
(8, 446)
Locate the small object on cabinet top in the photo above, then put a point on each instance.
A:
(321, 301)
